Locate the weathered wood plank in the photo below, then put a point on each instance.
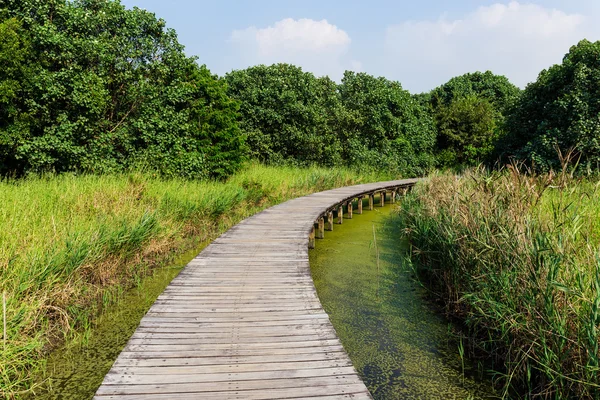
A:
(216, 387)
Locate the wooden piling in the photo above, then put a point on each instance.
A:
(360, 200)
(330, 221)
(393, 197)
(371, 201)
(321, 228)
(340, 214)
(382, 198)
(350, 209)
(311, 238)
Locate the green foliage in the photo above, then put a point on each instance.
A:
(559, 111)
(385, 126)
(496, 89)
(105, 89)
(287, 114)
(291, 116)
(469, 111)
(466, 130)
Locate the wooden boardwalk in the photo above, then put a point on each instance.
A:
(243, 320)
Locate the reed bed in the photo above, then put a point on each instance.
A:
(516, 258)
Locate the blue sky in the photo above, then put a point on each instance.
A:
(422, 44)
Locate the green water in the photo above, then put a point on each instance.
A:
(397, 342)
(77, 370)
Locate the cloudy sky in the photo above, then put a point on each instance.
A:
(422, 43)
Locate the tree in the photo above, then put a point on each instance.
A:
(559, 111)
(15, 57)
(288, 115)
(469, 111)
(108, 89)
(496, 89)
(385, 125)
(466, 131)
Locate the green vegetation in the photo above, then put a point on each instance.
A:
(516, 258)
(469, 111)
(288, 115)
(90, 86)
(71, 244)
(91, 91)
(291, 116)
(559, 110)
(386, 127)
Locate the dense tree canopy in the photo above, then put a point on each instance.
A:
(292, 116)
(288, 115)
(469, 111)
(466, 130)
(87, 85)
(385, 126)
(560, 111)
(105, 88)
(496, 89)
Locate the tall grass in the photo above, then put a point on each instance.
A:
(70, 244)
(516, 258)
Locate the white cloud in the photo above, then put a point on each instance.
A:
(317, 46)
(517, 40)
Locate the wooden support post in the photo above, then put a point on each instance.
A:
(382, 198)
(330, 221)
(393, 196)
(350, 209)
(311, 238)
(340, 214)
(360, 199)
(321, 229)
(371, 201)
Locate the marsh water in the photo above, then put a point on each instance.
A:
(397, 342)
(76, 371)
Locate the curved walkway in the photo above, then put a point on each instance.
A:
(243, 320)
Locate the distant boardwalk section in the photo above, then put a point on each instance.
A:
(243, 320)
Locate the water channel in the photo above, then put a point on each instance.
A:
(397, 342)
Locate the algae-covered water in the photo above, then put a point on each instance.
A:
(77, 370)
(397, 342)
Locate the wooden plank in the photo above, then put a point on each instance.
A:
(125, 354)
(117, 378)
(216, 387)
(266, 346)
(230, 359)
(288, 393)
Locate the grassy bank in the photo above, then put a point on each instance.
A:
(69, 245)
(516, 258)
